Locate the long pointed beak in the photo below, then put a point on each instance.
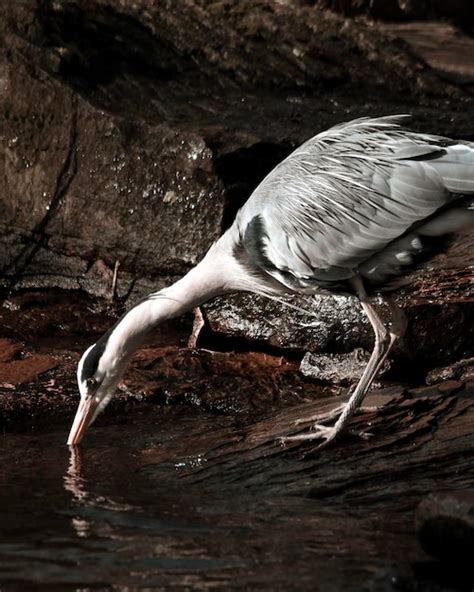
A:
(84, 415)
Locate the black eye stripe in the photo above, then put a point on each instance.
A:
(91, 361)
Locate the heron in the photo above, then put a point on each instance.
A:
(348, 211)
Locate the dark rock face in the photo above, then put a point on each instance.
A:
(334, 323)
(459, 11)
(445, 524)
(84, 184)
(340, 369)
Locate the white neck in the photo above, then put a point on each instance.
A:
(216, 274)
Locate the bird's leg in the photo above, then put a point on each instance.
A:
(384, 340)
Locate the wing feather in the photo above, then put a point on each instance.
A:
(344, 195)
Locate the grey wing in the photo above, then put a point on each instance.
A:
(333, 209)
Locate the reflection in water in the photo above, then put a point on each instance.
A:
(73, 479)
(76, 484)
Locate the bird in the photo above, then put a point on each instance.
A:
(349, 211)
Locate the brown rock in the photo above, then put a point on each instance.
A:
(445, 525)
(458, 11)
(462, 369)
(341, 368)
(17, 368)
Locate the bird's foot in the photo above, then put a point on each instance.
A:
(318, 432)
(327, 433)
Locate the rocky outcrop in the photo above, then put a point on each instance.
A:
(132, 132)
(445, 525)
(458, 11)
(83, 185)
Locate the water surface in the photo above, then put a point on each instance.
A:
(176, 498)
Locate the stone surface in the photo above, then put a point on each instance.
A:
(323, 322)
(445, 525)
(444, 47)
(337, 324)
(18, 367)
(457, 11)
(335, 368)
(462, 369)
(85, 183)
(141, 150)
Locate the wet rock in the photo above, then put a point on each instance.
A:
(89, 187)
(339, 326)
(46, 319)
(458, 11)
(390, 579)
(462, 369)
(436, 332)
(322, 322)
(343, 369)
(99, 280)
(445, 525)
(17, 367)
(105, 155)
(222, 382)
(444, 47)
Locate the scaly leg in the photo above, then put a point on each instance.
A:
(384, 341)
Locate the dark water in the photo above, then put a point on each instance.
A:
(164, 498)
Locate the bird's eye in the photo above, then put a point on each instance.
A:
(91, 382)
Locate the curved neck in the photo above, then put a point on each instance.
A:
(206, 280)
(218, 273)
(193, 289)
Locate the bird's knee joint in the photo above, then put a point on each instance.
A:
(382, 339)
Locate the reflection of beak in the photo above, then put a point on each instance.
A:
(85, 414)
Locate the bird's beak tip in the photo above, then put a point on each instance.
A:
(82, 420)
(75, 435)
(72, 442)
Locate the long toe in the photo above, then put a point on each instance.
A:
(319, 432)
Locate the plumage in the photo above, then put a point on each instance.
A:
(346, 194)
(349, 210)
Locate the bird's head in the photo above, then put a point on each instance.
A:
(97, 377)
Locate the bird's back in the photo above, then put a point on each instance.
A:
(364, 197)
